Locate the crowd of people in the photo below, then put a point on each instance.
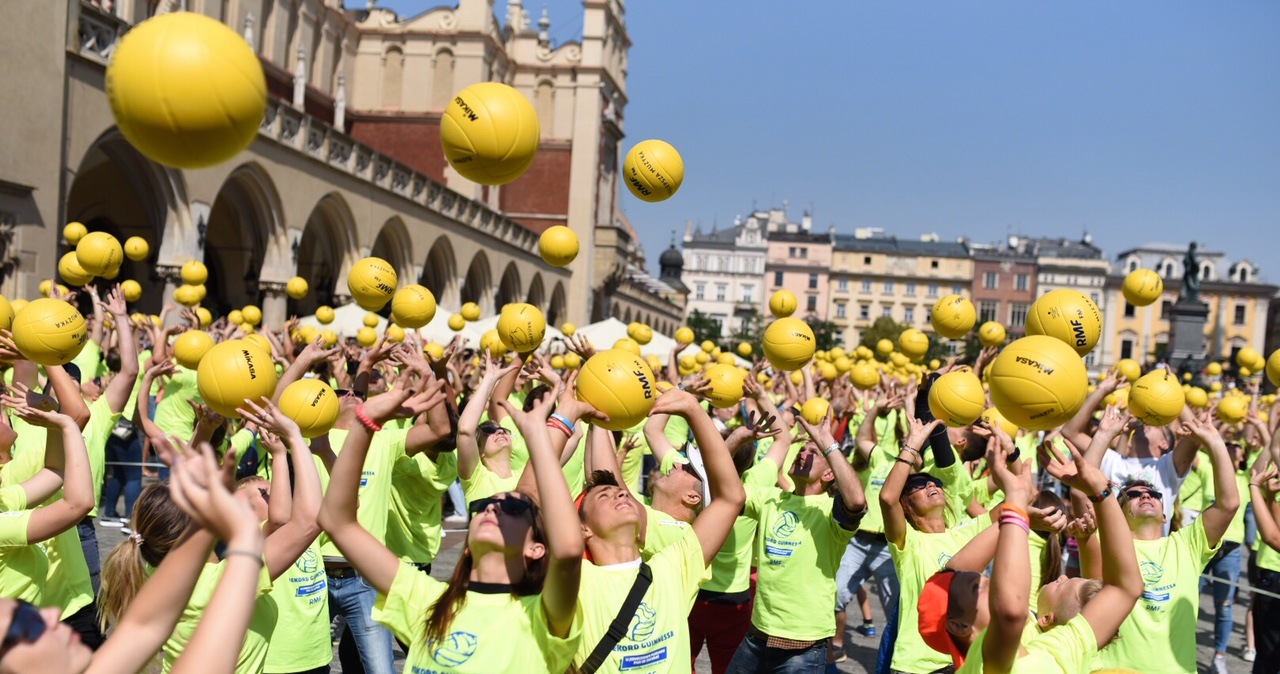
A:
(747, 530)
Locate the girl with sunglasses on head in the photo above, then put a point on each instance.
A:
(34, 641)
(510, 605)
(484, 450)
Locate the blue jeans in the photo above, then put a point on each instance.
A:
(1250, 525)
(353, 597)
(864, 558)
(753, 657)
(126, 479)
(89, 543)
(1225, 564)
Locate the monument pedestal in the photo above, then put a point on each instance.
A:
(1186, 336)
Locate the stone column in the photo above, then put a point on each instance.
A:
(171, 274)
(275, 304)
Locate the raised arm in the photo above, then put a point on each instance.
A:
(1077, 429)
(1010, 588)
(1112, 424)
(1217, 517)
(653, 434)
(121, 386)
(64, 453)
(503, 388)
(777, 451)
(67, 390)
(848, 487)
(313, 354)
(895, 520)
(469, 422)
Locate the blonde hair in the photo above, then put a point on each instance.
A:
(158, 527)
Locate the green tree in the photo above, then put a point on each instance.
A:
(751, 331)
(887, 328)
(704, 327)
(826, 335)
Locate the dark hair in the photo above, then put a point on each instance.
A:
(442, 612)
(744, 458)
(1130, 483)
(1051, 560)
(535, 395)
(975, 446)
(597, 478)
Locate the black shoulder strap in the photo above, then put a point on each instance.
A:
(618, 628)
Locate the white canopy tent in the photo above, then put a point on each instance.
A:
(606, 332)
(347, 319)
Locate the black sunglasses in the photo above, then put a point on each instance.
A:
(26, 627)
(341, 392)
(491, 429)
(1139, 493)
(921, 484)
(509, 506)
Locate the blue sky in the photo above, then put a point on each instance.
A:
(1137, 121)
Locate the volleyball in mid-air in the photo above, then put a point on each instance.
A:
(568, 329)
(413, 306)
(372, 281)
(1038, 382)
(1273, 367)
(251, 315)
(953, 316)
(684, 335)
(957, 398)
(49, 332)
(99, 253)
(190, 347)
(1128, 369)
(457, 322)
(297, 288)
(1067, 315)
(490, 133)
(324, 315)
(1142, 287)
(788, 344)
(521, 327)
(186, 90)
(69, 270)
(653, 170)
(782, 303)
(232, 372)
(136, 248)
(991, 334)
(366, 336)
(312, 404)
(1233, 408)
(814, 410)
(73, 232)
(913, 343)
(1156, 398)
(558, 246)
(726, 385)
(470, 311)
(619, 384)
(994, 419)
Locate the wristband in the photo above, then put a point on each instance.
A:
(255, 556)
(365, 420)
(1006, 509)
(568, 423)
(1016, 521)
(1100, 496)
(835, 447)
(919, 457)
(556, 424)
(910, 464)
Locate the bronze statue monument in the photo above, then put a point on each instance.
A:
(1190, 291)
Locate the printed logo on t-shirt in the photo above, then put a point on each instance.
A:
(776, 547)
(943, 559)
(309, 562)
(455, 649)
(786, 524)
(1154, 593)
(643, 649)
(644, 622)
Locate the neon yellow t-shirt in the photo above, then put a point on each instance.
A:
(88, 359)
(1197, 490)
(1235, 530)
(375, 482)
(96, 433)
(13, 497)
(798, 549)
(300, 639)
(174, 414)
(1268, 557)
(413, 525)
(661, 530)
(1159, 634)
(731, 567)
(484, 483)
(253, 653)
(23, 567)
(657, 639)
(1038, 547)
(880, 463)
(1071, 648)
(490, 633)
(921, 556)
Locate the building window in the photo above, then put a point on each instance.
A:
(840, 310)
(813, 281)
(864, 311)
(1165, 307)
(843, 285)
(990, 280)
(798, 251)
(910, 289)
(867, 260)
(1133, 266)
(933, 264)
(812, 303)
(1129, 312)
(1126, 348)
(957, 290)
(987, 311)
(1239, 314)
(722, 291)
(909, 315)
(933, 290)
(1017, 314)
(700, 291)
(887, 311)
(1020, 282)
(777, 278)
(1089, 359)
(866, 285)
(748, 293)
(888, 287)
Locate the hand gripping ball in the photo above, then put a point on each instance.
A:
(521, 327)
(297, 288)
(558, 246)
(99, 253)
(726, 385)
(312, 404)
(953, 316)
(783, 303)
(190, 347)
(1142, 287)
(814, 410)
(413, 306)
(49, 332)
(1157, 398)
(653, 170)
(186, 91)
(788, 344)
(957, 398)
(619, 384)
(490, 133)
(371, 282)
(233, 372)
(1069, 316)
(1038, 382)
(136, 248)
(991, 334)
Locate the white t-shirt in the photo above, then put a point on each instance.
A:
(1159, 472)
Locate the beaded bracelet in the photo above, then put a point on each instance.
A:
(365, 420)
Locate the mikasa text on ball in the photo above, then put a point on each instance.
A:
(620, 384)
(653, 170)
(186, 91)
(1067, 315)
(1156, 398)
(1038, 382)
(490, 133)
(953, 316)
(49, 332)
(957, 398)
(413, 306)
(521, 327)
(371, 281)
(1142, 287)
(312, 404)
(558, 246)
(788, 344)
(233, 372)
